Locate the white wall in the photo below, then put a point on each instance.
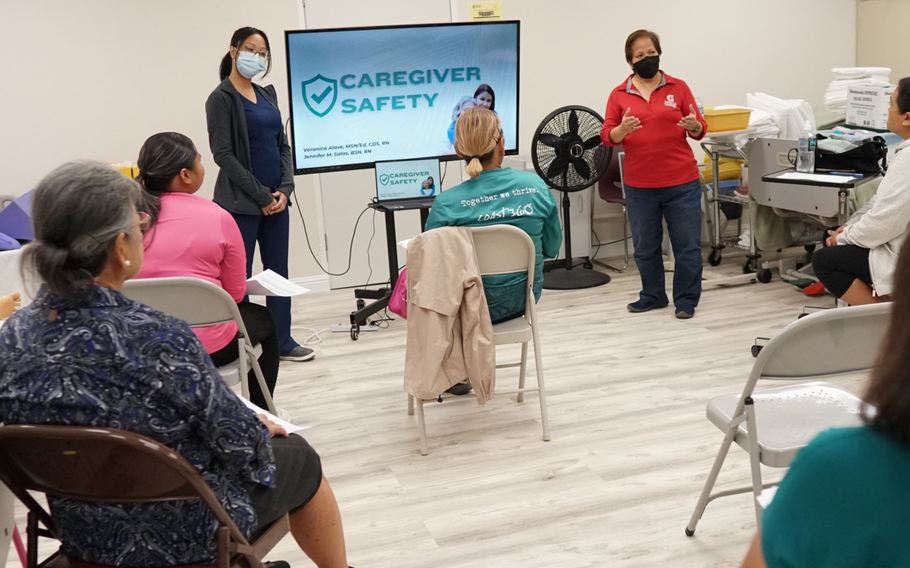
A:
(572, 52)
(881, 26)
(96, 77)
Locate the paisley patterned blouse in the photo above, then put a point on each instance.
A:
(106, 360)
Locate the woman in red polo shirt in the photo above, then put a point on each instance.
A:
(652, 114)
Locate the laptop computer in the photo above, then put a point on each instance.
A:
(407, 184)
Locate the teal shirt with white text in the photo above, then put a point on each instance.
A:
(505, 196)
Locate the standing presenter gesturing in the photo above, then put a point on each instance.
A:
(652, 114)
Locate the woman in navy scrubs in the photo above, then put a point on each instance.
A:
(256, 175)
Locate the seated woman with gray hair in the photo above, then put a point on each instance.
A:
(84, 354)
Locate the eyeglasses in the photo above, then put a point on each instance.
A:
(264, 55)
(145, 221)
(497, 139)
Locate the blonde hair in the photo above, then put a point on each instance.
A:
(477, 132)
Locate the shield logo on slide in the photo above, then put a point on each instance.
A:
(384, 179)
(320, 94)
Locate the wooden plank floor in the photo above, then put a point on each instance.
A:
(630, 443)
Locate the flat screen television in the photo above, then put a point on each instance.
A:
(362, 95)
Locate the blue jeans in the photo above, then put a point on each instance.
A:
(272, 233)
(680, 205)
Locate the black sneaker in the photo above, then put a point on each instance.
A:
(684, 313)
(299, 353)
(641, 306)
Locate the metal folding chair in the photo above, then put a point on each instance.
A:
(201, 303)
(504, 249)
(774, 424)
(105, 465)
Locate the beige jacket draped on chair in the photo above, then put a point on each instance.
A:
(450, 335)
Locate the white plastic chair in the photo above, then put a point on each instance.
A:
(201, 303)
(504, 249)
(822, 345)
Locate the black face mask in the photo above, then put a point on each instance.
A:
(647, 67)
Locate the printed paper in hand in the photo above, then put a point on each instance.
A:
(291, 428)
(268, 283)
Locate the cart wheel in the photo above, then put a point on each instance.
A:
(764, 276)
(588, 265)
(747, 268)
(355, 332)
(756, 349)
(715, 257)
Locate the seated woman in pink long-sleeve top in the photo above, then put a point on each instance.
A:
(192, 236)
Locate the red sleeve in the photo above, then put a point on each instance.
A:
(233, 265)
(689, 99)
(612, 118)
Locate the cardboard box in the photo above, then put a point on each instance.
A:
(867, 106)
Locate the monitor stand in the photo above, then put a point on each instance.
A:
(381, 296)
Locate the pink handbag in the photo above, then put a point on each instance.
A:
(398, 302)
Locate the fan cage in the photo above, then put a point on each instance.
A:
(548, 160)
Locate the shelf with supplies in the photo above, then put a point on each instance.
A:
(719, 145)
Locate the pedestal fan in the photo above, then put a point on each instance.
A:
(567, 153)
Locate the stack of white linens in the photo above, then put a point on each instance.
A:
(844, 77)
(790, 115)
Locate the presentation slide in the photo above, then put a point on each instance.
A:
(363, 95)
(407, 179)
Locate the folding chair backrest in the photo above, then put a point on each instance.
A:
(196, 301)
(829, 342)
(503, 249)
(101, 465)
(92, 464)
(609, 187)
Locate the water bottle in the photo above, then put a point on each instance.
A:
(805, 151)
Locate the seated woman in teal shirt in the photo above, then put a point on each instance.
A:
(496, 195)
(843, 504)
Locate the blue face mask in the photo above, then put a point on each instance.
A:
(249, 64)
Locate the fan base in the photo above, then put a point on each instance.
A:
(575, 279)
